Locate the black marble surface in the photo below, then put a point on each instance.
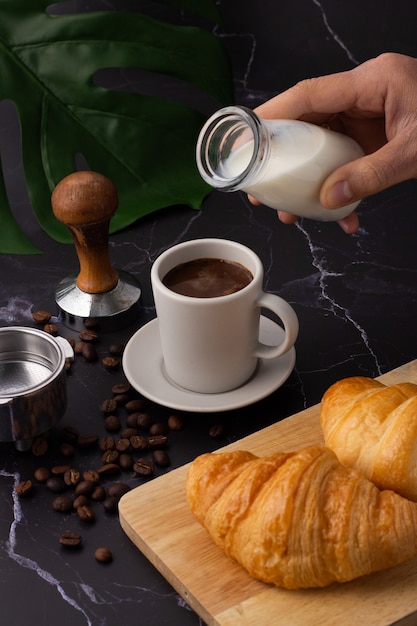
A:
(356, 298)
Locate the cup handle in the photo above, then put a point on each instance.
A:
(288, 317)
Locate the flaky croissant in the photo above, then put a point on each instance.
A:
(301, 519)
(373, 427)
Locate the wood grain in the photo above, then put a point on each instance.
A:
(157, 519)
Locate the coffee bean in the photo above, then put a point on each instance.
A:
(117, 489)
(111, 504)
(89, 352)
(111, 456)
(86, 513)
(127, 433)
(69, 539)
(158, 429)
(69, 434)
(24, 488)
(91, 476)
(109, 406)
(106, 443)
(143, 467)
(161, 458)
(87, 441)
(79, 347)
(116, 349)
(135, 405)
(41, 474)
(56, 484)
(67, 450)
(51, 329)
(157, 441)
(88, 336)
(126, 462)
(72, 477)
(216, 431)
(121, 388)
(144, 421)
(138, 442)
(109, 469)
(99, 494)
(175, 422)
(121, 399)
(84, 488)
(62, 504)
(112, 423)
(41, 317)
(132, 420)
(39, 446)
(91, 322)
(111, 362)
(59, 470)
(122, 444)
(80, 501)
(103, 555)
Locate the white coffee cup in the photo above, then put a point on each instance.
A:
(211, 344)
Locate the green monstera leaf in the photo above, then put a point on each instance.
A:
(144, 143)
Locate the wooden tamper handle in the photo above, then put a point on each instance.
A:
(85, 202)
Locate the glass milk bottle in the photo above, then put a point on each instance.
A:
(281, 163)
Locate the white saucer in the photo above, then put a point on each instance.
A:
(143, 367)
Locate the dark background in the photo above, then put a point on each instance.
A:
(355, 297)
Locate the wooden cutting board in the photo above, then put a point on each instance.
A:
(157, 519)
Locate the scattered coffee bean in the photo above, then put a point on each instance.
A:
(71, 342)
(216, 431)
(111, 456)
(138, 442)
(91, 322)
(87, 441)
(135, 405)
(103, 555)
(67, 450)
(86, 513)
(126, 462)
(88, 336)
(121, 388)
(157, 441)
(161, 458)
(158, 429)
(69, 539)
(106, 443)
(175, 422)
(116, 349)
(39, 446)
(111, 362)
(80, 501)
(132, 420)
(41, 474)
(24, 488)
(112, 423)
(143, 467)
(89, 352)
(109, 406)
(111, 504)
(59, 470)
(99, 494)
(41, 317)
(62, 504)
(51, 329)
(117, 489)
(127, 433)
(79, 347)
(121, 399)
(109, 469)
(84, 488)
(144, 421)
(72, 477)
(92, 476)
(122, 444)
(69, 434)
(56, 484)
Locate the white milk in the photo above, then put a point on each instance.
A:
(292, 160)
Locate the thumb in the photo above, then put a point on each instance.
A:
(393, 163)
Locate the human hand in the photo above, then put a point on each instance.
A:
(375, 104)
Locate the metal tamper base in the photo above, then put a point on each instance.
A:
(85, 201)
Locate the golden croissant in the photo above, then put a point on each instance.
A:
(373, 427)
(300, 519)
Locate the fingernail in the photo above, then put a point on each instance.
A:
(339, 195)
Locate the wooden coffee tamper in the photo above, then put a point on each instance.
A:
(85, 202)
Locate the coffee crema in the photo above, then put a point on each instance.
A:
(207, 278)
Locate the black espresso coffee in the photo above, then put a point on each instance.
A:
(207, 278)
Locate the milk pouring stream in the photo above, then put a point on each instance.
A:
(281, 163)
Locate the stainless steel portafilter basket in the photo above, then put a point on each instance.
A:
(33, 391)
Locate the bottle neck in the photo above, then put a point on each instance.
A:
(231, 148)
